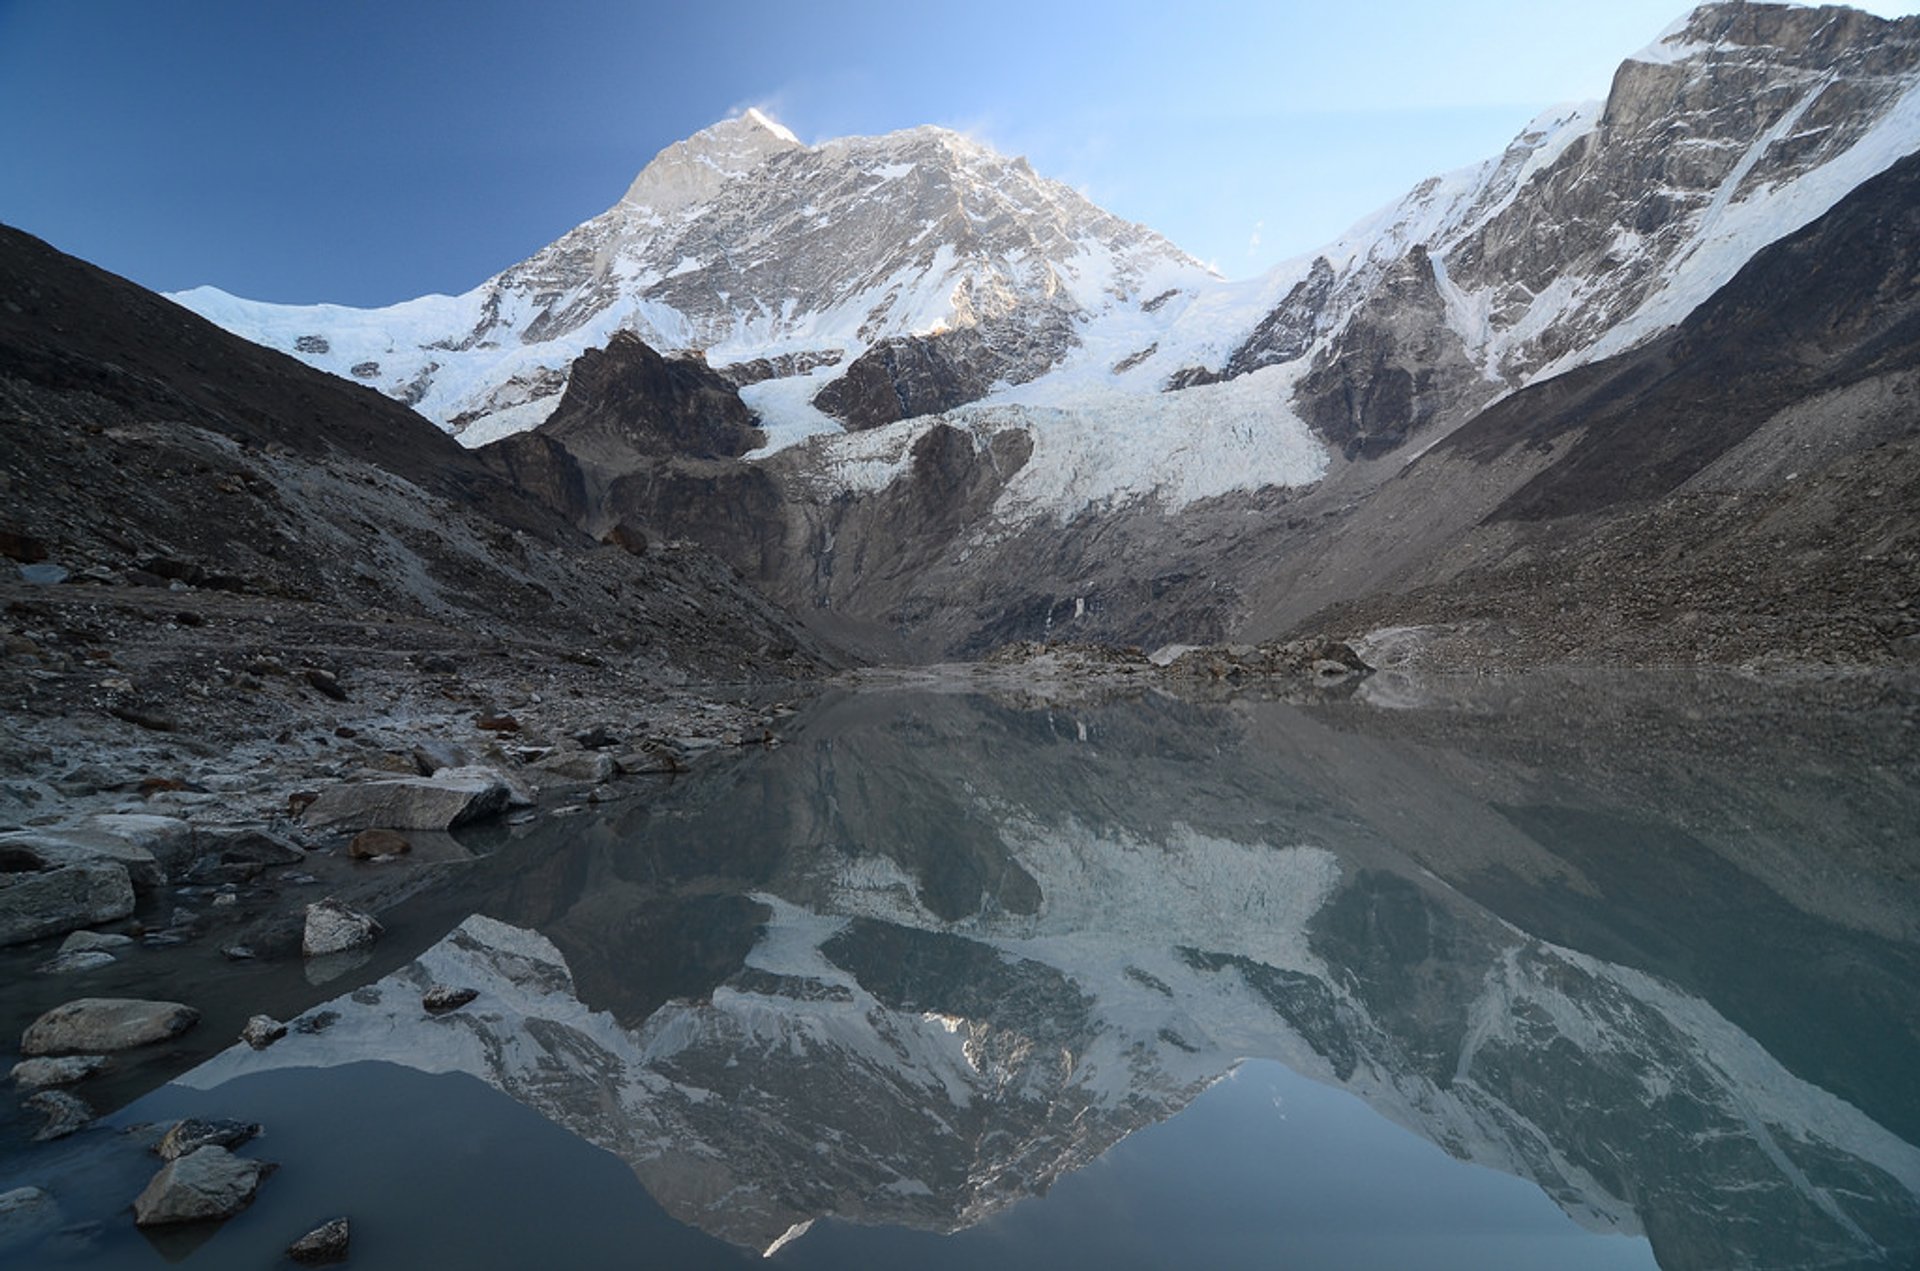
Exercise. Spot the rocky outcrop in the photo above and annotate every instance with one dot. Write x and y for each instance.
(96, 1025)
(1396, 367)
(627, 400)
(908, 376)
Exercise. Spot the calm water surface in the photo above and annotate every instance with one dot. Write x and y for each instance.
(1563, 973)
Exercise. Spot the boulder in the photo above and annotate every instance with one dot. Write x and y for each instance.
(440, 802)
(207, 1183)
(333, 928)
(39, 1074)
(168, 838)
(41, 850)
(325, 1243)
(192, 1134)
(431, 756)
(56, 901)
(65, 1113)
(262, 1031)
(580, 765)
(599, 737)
(92, 1025)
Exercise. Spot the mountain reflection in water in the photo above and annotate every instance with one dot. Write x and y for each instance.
(1631, 941)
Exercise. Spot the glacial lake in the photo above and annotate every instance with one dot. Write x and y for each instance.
(1570, 972)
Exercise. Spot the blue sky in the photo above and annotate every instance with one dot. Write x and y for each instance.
(366, 152)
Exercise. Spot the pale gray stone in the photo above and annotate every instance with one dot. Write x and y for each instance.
(207, 1183)
(448, 798)
(55, 901)
(334, 928)
(91, 1025)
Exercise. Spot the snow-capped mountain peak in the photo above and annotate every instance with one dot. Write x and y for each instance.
(693, 170)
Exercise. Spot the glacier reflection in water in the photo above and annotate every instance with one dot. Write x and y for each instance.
(942, 950)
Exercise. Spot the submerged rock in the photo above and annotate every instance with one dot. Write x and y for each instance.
(334, 928)
(325, 1243)
(91, 1025)
(38, 1074)
(192, 1134)
(26, 1214)
(65, 1113)
(69, 963)
(207, 1183)
(368, 844)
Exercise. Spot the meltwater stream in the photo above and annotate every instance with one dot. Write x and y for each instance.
(1570, 973)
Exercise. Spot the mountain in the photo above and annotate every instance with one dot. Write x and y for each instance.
(184, 504)
(745, 244)
(987, 411)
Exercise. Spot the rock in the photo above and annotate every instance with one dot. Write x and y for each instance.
(26, 1214)
(325, 1243)
(442, 998)
(74, 845)
(262, 1031)
(579, 765)
(432, 756)
(649, 761)
(253, 846)
(168, 838)
(95, 941)
(192, 1134)
(21, 546)
(440, 802)
(141, 717)
(368, 844)
(326, 683)
(53, 902)
(208, 1183)
(39, 1074)
(596, 738)
(627, 537)
(91, 1025)
(333, 928)
(65, 1113)
(70, 963)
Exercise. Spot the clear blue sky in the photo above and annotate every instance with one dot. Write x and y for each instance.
(363, 152)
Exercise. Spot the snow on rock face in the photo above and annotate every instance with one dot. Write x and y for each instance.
(1598, 227)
